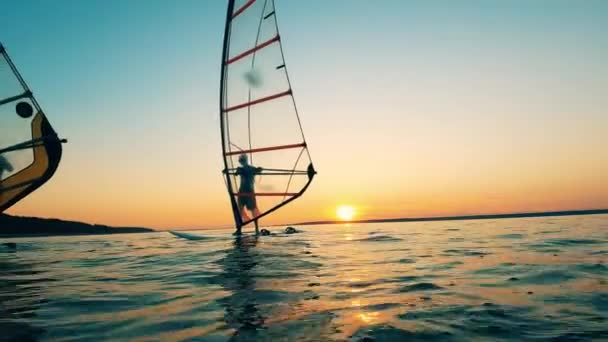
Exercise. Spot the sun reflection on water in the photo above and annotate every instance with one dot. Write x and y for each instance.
(368, 317)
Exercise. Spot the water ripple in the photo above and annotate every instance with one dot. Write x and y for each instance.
(517, 279)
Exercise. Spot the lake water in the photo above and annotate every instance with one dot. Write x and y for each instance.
(510, 279)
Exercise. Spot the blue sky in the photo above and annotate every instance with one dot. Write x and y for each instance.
(461, 97)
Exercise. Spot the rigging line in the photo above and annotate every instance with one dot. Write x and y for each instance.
(294, 168)
(276, 24)
(237, 146)
(249, 125)
(226, 128)
(20, 78)
(257, 39)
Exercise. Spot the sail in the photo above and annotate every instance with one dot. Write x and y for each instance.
(29, 147)
(258, 116)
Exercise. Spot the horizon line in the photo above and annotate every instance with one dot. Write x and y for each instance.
(462, 217)
(422, 219)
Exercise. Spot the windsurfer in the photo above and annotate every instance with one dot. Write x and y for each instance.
(246, 198)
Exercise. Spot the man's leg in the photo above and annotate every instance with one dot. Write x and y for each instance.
(256, 213)
(244, 215)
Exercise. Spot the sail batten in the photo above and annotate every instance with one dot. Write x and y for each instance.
(265, 149)
(258, 115)
(253, 49)
(243, 8)
(264, 99)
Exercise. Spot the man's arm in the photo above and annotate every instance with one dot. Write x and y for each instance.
(5, 165)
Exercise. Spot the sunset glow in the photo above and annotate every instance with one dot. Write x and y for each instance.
(345, 212)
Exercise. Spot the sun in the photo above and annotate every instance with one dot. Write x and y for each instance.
(345, 212)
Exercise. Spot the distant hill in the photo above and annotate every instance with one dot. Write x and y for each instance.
(22, 226)
(469, 217)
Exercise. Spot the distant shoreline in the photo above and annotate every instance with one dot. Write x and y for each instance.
(111, 231)
(16, 226)
(466, 217)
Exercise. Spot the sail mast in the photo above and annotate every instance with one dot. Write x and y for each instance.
(225, 50)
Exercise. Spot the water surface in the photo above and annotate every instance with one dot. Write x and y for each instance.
(509, 279)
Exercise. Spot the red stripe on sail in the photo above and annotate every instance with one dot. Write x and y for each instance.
(243, 8)
(254, 102)
(265, 149)
(252, 50)
(278, 194)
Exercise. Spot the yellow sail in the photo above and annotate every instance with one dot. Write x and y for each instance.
(30, 150)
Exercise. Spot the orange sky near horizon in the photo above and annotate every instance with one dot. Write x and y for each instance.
(202, 207)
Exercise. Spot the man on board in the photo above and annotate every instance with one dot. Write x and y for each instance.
(246, 198)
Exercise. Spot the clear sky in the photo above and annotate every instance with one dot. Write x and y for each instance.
(410, 108)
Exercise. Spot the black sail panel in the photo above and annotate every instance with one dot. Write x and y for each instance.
(259, 117)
